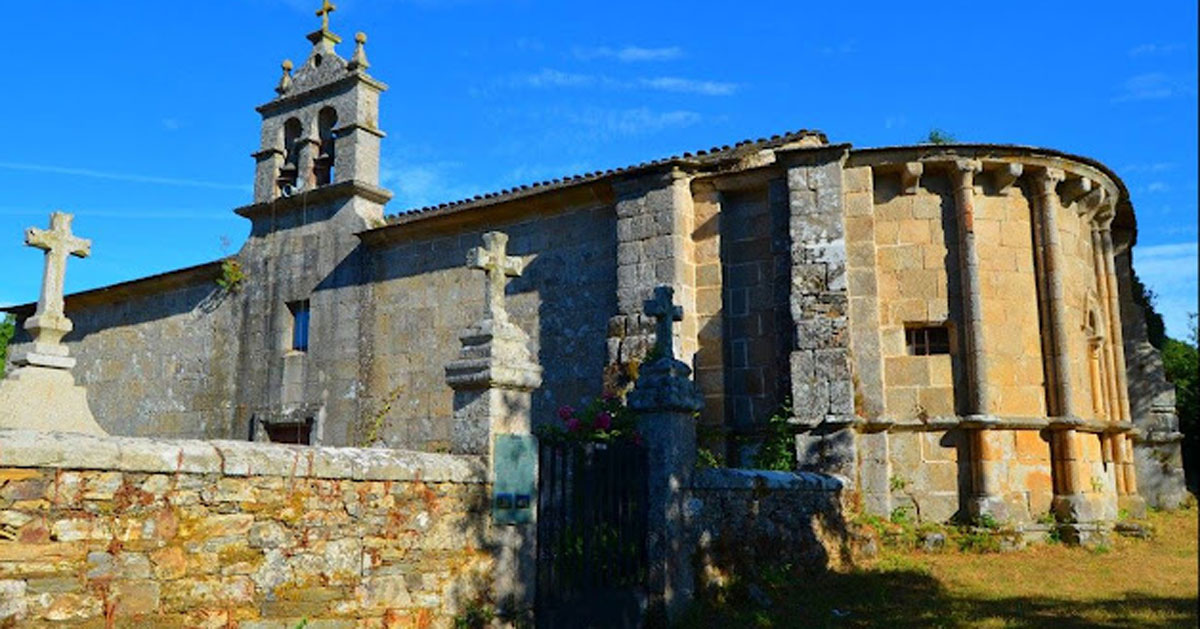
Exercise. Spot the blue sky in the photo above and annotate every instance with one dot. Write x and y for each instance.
(139, 116)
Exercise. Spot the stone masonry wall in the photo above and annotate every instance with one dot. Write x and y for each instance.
(742, 519)
(168, 356)
(125, 532)
(423, 296)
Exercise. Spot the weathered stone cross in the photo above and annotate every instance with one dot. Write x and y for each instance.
(493, 260)
(327, 7)
(666, 313)
(49, 324)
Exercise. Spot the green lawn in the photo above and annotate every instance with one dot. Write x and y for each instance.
(1129, 583)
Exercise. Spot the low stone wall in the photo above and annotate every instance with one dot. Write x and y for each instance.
(107, 531)
(743, 518)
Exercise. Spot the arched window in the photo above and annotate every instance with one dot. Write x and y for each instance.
(323, 164)
(291, 150)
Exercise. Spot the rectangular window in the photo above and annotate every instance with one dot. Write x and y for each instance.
(300, 316)
(299, 433)
(927, 340)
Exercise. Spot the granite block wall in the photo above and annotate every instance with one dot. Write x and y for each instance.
(127, 532)
(423, 296)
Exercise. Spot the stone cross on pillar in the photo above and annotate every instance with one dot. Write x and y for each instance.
(41, 394)
(665, 399)
(49, 323)
(665, 314)
(497, 265)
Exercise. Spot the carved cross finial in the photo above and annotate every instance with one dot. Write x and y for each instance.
(327, 7)
(58, 242)
(494, 261)
(666, 313)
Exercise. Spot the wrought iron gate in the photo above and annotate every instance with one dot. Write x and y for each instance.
(591, 527)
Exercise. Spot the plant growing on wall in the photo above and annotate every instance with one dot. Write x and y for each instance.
(7, 329)
(232, 275)
(778, 450)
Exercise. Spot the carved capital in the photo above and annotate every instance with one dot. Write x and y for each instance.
(963, 171)
(1047, 180)
(1075, 189)
(1005, 174)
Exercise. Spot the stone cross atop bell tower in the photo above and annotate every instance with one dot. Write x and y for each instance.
(323, 127)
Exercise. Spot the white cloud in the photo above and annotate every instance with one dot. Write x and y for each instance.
(420, 185)
(848, 47)
(1154, 167)
(629, 54)
(895, 121)
(689, 86)
(1157, 186)
(1145, 50)
(1153, 86)
(134, 178)
(549, 78)
(1170, 270)
(626, 122)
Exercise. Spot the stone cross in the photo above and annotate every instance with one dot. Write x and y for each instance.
(49, 324)
(493, 260)
(666, 313)
(327, 7)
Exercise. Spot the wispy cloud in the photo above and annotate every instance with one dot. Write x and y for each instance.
(550, 78)
(171, 124)
(628, 54)
(1151, 167)
(848, 47)
(626, 122)
(1170, 270)
(422, 184)
(689, 86)
(1153, 86)
(1146, 50)
(133, 178)
(1157, 186)
(895, 121)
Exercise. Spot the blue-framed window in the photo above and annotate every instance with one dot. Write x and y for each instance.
(300, 316)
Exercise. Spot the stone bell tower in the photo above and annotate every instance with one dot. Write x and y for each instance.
(323, 128)
(316, 185)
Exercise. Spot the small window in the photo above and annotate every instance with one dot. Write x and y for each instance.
(927, 340)
(300, 316)
(299, 433)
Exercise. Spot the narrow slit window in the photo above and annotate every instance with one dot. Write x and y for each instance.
(300, 317)
(927, 340)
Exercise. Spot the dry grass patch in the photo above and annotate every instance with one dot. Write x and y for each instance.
(1130, 583)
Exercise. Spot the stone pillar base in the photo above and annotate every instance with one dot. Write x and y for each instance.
(1133, 505)
(45, 399)
(989, 506)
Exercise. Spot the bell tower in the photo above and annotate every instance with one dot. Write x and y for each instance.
(323, 127)
(316, 186)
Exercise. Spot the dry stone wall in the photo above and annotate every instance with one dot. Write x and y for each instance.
(126, 532)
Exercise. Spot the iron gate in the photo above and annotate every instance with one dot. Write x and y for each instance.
(591, 527)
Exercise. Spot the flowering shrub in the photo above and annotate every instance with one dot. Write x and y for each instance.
(605, 419)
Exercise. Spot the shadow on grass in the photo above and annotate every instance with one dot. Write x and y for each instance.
(912, 598)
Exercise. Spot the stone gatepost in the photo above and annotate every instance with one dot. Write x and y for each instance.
(41, 393)
(666, 399)
(493, 380)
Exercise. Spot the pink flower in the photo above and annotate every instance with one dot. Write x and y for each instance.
(565, 413)
(573, 425)
(603, 420)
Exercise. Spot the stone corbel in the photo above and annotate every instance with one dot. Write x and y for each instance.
(1074, 189)
(1005, 174)
(910, 177)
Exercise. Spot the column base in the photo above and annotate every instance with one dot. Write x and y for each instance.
(993, 507)
(1132, 505)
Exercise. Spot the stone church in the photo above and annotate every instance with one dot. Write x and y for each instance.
(949, 327)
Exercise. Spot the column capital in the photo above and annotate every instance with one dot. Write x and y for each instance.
(964, 171)
(1047, 179)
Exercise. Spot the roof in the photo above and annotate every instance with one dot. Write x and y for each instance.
(699, 159)
(190, 276)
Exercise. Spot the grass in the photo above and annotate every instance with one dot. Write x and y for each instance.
(1125, 583)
